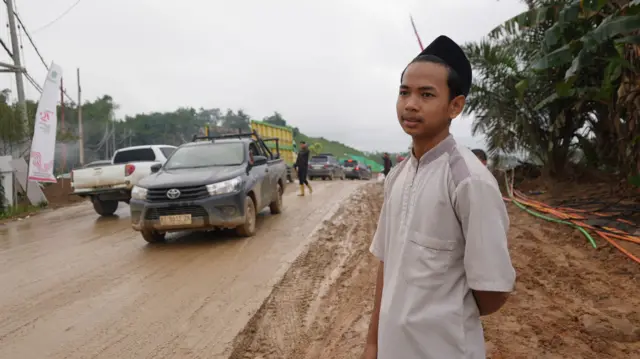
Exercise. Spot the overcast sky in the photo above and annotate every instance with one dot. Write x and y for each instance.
(331, 67)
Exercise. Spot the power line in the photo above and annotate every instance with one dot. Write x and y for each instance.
(57, 18)
(24, 28)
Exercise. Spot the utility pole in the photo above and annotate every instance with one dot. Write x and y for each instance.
(80, 129)
(106, 141)
(64, 146)
(17, 63)
(113, 139)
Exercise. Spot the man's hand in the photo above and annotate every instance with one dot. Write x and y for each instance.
(370, 352)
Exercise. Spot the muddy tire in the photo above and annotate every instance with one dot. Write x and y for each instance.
(152, 236)
(248, 229)
(276, 206)
(104, 208)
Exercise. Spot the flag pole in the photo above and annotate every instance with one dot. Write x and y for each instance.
(416, 32)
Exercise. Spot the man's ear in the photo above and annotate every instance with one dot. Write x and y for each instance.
(456, 105)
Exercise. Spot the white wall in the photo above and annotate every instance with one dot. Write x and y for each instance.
(6, 172)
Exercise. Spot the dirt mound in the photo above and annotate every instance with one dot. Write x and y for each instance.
(59, 194)
(571, 301)
(321, 307)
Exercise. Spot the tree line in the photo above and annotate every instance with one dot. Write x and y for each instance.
(103, 134)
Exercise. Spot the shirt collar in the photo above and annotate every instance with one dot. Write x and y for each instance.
(446, 145)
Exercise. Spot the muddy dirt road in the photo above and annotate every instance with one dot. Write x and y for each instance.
(74, 285)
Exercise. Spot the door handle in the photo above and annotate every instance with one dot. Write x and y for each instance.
(267, 170)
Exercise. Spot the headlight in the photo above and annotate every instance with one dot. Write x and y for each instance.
(139, 193)
(229, 186)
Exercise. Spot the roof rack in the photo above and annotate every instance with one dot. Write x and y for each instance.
(240, 135)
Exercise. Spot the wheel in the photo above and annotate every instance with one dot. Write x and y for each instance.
(276, 206)
(331, 177)
(152, 236)
(289, 179)
(248, 229)
(104, 208)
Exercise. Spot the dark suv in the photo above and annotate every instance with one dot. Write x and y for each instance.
(213, 182)
(324, 166)
(356, 170)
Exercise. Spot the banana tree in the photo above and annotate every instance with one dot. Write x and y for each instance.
(595, 43)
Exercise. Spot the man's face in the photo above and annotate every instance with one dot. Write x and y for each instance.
(423, 105)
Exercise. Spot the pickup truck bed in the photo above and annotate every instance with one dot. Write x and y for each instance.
(107, 185)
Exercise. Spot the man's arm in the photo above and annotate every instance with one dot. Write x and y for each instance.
(371, 349)
(378, 249)
(485, 223)
(489, 302)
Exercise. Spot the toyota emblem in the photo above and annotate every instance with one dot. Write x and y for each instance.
(173, 193)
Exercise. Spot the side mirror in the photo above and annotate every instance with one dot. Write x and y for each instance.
(155, 168)
(259, 160)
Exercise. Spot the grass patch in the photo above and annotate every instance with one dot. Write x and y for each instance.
(21, 210)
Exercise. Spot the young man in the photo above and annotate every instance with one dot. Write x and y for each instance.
(301, 166)
(442, 233)
(482, 156)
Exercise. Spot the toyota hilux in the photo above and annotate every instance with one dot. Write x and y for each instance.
(214, 182)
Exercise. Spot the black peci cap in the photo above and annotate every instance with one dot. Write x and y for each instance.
(451, 53)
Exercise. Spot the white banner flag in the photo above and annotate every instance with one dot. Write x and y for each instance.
(43, 144)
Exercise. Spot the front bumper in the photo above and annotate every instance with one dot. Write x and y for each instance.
(222, 211)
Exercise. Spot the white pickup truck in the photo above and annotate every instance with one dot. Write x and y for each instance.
(110, 184)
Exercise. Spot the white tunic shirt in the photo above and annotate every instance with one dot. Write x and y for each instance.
(442, 232)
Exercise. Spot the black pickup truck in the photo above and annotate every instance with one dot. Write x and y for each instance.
(210, 183)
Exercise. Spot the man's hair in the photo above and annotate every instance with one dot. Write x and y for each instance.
(480, 154)
(453, 79)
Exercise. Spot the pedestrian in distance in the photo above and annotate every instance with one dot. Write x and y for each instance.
(442, 231)
(302, 166)
(387, 164)
(482, 156)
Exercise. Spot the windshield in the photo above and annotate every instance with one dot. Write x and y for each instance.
(351, 164)
(210, 155)
(319, 159)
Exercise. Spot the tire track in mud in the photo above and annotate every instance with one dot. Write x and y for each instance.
(306, 315)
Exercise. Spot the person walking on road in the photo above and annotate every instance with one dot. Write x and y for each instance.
(387, 164)
(301, 166)
(442, 232)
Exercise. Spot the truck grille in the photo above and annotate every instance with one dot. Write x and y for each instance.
(194, 211)
(186, 193)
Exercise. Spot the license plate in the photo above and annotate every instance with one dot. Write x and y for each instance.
(317, 167)
(176, 220)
